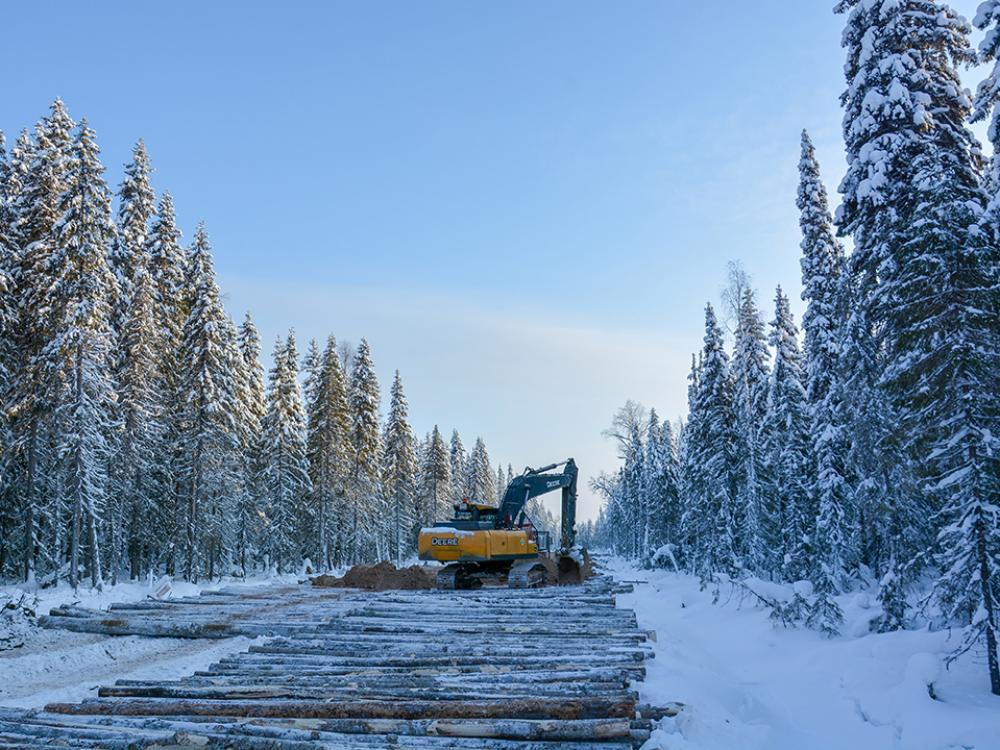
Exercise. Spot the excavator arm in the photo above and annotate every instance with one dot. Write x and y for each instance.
(535, 482)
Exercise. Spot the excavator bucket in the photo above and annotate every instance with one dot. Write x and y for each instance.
(570, 570)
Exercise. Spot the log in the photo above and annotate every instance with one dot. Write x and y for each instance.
(566, 709)
(506, 729)
(272, 690)
(476, 658)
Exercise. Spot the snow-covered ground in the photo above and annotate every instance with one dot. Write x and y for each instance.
(747, 684)
(56, 665)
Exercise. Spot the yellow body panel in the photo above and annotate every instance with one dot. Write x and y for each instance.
(454, 545)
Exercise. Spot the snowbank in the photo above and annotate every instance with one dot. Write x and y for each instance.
(750, 685)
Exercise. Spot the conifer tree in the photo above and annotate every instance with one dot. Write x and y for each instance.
(714, 443)
(662, 501)
(923, 260)
(822, 265)
(251, 408)
(167, 265)
(434, 494)
(692, 522)
(481, 482)
(137, 487)
(81, 345)
(985, 104)
(786, 449)
(366, 504)
(285, 478)
(459, 469)
(329, 454)
(208, 427)
(136, 206)
(750, 375)
(399, 472)
(501, 483)
(35, 394)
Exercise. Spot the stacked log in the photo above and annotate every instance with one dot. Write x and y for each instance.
(546, 669)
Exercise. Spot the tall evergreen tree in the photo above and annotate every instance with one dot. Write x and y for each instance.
(786, 449)
(208, 427)
(822, 264)
(167, 264)
(366, 504)
(35, 393)
(715, 455)
(399, 472)
(285, 478)
(251, 403)
(459, 468)
(481, 482)
(137, 487)
(750, 375)
(136, 206)
(329, 454)
(434, 495)
(81, 345)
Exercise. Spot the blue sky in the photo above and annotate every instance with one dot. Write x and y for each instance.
(524, 205)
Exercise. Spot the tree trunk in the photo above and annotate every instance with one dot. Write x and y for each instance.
(989, 605)
(29, 500)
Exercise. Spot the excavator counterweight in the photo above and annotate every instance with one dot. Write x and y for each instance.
(483, 542)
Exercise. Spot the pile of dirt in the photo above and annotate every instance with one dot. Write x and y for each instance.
(380, 577)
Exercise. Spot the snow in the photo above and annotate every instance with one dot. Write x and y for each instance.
(751, 685)
(445, 530)
(57, 666)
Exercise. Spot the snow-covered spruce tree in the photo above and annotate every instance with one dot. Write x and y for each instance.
(634, 493)
(285, 479)
(985, 103)
(32, 399)
(822, 266)
(751, 362)
(251, 402)
(167, 265)
(311, 365)
(434, 492)
(208, 431)
(964, 457)
(692, 532)
(481, 482)
(136, 480)
(665, 481)
(787, 453)
(10, 186)
(714, 452)
(501, 482)
(366, 506)
(399, 472)
(8, 318)
(329, 455)
(459, 468)
(661, 500)
(911, 183)
(136, 206)
(80, 350)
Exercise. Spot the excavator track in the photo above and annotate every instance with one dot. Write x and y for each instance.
(458, 576)
(527, 574)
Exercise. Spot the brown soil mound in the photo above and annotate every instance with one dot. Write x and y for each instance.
(380, 577)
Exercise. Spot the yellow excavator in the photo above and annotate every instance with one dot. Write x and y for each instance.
(484, 542)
